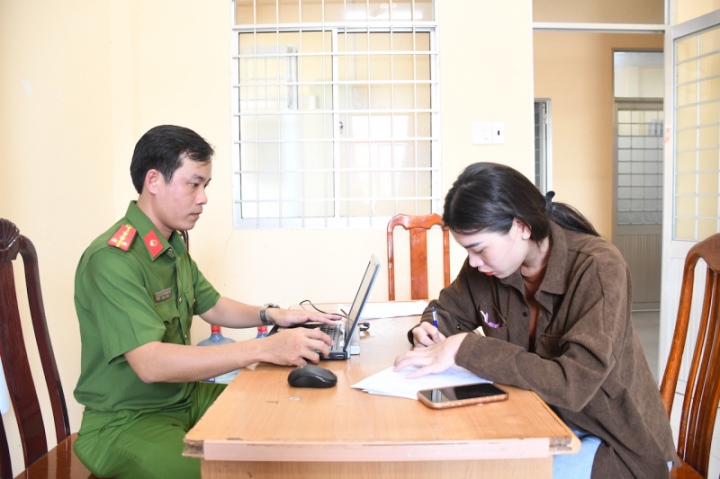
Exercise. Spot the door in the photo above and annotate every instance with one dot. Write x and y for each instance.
(638, 181)
(692, 188)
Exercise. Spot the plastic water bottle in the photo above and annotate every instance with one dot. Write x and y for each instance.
(262, 332)
(216, 338)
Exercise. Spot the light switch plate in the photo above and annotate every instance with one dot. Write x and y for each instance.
(482, 133)
(498, 132)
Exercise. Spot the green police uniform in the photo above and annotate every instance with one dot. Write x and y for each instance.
(132, 287)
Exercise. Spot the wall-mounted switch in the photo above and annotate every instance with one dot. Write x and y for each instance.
(482, 133)
(498, 132)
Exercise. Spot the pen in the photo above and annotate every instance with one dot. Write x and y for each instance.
(434, 318)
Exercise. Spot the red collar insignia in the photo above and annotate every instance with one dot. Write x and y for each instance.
(153, 243)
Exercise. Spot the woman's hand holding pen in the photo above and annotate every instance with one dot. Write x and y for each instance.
(426, 335)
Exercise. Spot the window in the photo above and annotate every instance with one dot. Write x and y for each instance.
(335, 117)
(639, 128)
(697, 142)
(639, 163)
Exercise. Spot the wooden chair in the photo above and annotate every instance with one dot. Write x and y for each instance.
(60, 461)
(186, 237)
(702, 392)
(418, 227)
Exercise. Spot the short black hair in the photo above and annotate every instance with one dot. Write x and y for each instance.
(163, 148)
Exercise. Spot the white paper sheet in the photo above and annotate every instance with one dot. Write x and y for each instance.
(391, 383)
(4, 395)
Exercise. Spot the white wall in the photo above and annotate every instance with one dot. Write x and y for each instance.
(82, 80)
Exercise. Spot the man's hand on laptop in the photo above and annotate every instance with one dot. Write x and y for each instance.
(295, 346)
(290, 317)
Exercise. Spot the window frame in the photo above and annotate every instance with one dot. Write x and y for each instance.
(433, 140)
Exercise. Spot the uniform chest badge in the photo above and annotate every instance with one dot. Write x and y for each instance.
(123, 237)
(163, 295)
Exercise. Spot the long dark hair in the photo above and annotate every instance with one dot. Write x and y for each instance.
(489, 196)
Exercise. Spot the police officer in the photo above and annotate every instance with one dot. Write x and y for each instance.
(136, 292)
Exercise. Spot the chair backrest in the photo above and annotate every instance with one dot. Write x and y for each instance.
(702, 392)
(186, 237)
(16, 366)
(418, 227)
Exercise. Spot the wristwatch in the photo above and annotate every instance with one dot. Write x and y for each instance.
(263, 316)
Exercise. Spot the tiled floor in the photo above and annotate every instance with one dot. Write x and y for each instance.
(647, 324)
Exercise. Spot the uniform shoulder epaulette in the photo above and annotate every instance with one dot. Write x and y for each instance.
(123, 237)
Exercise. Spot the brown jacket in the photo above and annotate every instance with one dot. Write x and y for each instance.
(587, 361)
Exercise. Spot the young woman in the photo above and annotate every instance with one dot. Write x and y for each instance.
(544, 303)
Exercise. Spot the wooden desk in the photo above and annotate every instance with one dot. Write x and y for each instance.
(262, 428)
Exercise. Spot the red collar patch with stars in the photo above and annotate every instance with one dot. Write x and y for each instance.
(123, 237)
(153, 243)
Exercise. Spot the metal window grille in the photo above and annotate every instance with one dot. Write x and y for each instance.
(335, 117)
(696, 205)
(639, 166)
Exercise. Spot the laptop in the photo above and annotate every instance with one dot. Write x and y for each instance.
(342, 331)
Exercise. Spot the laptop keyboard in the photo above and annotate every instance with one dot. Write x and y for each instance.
(336, 333)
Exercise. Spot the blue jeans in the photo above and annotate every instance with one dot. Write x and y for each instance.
(577, 466)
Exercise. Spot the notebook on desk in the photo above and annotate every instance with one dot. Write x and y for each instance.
(342, 331)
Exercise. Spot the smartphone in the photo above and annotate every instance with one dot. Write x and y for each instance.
(462, 395)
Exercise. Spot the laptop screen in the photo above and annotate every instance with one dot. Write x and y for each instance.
(361, 298)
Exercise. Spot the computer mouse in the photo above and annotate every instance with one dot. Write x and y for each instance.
(311, 376)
